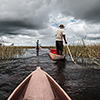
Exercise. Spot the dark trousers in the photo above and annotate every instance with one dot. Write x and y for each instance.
(37, 50)
(59, 47)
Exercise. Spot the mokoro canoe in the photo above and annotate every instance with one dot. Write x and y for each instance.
(54, 56)
(39, 86)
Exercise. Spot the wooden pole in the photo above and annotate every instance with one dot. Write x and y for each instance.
(71, 55)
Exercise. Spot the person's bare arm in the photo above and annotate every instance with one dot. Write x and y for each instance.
(64, 39)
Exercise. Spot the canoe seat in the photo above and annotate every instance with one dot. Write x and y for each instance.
(53, 51)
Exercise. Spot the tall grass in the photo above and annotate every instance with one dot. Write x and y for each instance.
(9, 52)
(90, 52)
(81, 51)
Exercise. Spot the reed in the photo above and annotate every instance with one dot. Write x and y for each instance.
(90, 52)
(9, 52)
(81, 51)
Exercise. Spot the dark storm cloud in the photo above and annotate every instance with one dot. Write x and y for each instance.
(6, 26)
(15, 24)
(34, 14)
(31, 18)
(88, 10)
(30, 14)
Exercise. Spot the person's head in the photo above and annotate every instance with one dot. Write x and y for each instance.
(61, 26)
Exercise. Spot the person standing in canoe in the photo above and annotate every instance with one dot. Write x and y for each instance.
(60, 35)
(37, 47)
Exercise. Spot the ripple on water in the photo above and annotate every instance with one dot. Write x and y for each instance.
(80, 83)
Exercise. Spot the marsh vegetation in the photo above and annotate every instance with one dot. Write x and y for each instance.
(81, 53)
(9, 52)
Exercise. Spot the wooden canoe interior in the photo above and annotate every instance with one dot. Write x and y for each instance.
(19, 94)
(53, 51)
(59, 93)
(39, 86)
(54, 56)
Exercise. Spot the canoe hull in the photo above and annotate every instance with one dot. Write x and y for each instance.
(56, 57)
(39, 86)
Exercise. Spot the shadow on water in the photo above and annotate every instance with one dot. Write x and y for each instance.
(80, 83)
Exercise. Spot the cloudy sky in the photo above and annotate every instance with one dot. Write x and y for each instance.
(22, 22)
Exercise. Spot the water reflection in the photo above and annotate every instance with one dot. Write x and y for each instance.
(80, 84)
(60, 73)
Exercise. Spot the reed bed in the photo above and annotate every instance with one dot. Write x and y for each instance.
(9, 52)
(82, 52)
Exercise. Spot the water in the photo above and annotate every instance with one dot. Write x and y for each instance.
(79, 83)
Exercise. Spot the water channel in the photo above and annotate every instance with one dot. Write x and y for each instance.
(79, 83)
